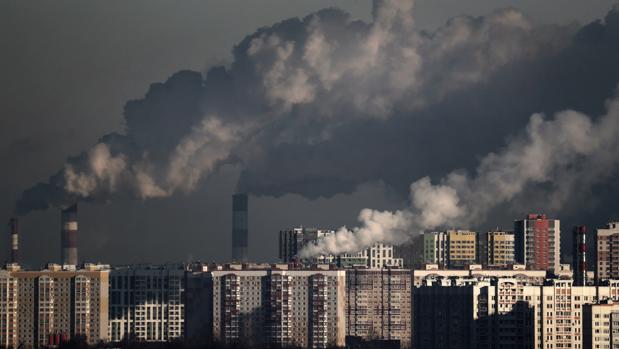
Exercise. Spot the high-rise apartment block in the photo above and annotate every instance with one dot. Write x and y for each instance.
(601, 325)
(277, 306)
(451, 248)
(607, 244)
(495, 248)
(50, 306)
(503, 313)
(538, 241)
(378, 304)
(147, 303)
(292, 242)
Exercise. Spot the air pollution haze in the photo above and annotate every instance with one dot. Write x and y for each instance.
(569, 153)
(300, 94)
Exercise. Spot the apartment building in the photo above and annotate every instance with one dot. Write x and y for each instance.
(51, 306)
(538, 242)
(601, 325)
(495, 248)
(276, 305)
(378, 304)
(292, 242)
(147, 303)
(434, 248)
(503, 312)
(451, 248)
(607, 245)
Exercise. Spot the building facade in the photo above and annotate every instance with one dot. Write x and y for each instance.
(147, 303)
(503, 313)
(538, 242)
(53, 305)
(496, 248)
(607, 245)
(601, 325)
(278, 306)
(434, 248)
(378, 304)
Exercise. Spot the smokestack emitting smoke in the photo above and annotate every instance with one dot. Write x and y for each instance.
(69, 235)
(580, 255)
(14, 239)
(298, 82)
(240, 235)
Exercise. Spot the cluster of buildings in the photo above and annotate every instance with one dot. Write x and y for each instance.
(496, 289)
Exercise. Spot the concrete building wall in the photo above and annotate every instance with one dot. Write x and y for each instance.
(607, 245)
(279, 307)
(538, 242)
(147, 303)
(378, 304)
(53, 304)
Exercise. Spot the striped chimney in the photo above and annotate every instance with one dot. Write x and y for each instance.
(14, 239)
(69, 235)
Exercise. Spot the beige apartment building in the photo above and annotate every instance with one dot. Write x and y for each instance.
(49, 306)
(451, 248)
(503, 313)
(275, 305)
(601, 325)
(495, 248)
(607, 245)
(378, 304)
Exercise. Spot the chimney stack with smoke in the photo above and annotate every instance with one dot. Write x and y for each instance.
(580, 255)
(239, 228)
(69, 235)
(14, 240)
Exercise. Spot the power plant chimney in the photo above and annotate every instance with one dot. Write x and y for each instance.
(14, 239)
(69, 235)
(580, 255)
(239, 228)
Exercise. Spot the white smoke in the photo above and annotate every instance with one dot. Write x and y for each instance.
(569, 154)
(195, 156)
(334, 67)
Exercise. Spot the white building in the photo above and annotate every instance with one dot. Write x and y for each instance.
(503, 312)
(147, 303)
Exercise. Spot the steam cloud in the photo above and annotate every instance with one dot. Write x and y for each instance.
(319, 105)
(297, 80)
(569, 153)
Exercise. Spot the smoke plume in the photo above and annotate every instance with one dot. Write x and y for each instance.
(568, 154)
(298, 81)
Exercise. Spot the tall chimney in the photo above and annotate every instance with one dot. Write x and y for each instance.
(580, 255)
(69, 235)
(14, 239)
(239, 227)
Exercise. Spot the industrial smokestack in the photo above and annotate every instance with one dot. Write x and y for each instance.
(239, 227)
(69, 235)
(14, 239)
(580, 255)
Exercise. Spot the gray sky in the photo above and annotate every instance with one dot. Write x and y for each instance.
(68, 67)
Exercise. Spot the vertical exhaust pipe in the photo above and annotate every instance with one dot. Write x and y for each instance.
(239, 227)
(69, 235)
(14, 240)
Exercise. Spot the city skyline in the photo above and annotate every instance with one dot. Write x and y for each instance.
(202, 216)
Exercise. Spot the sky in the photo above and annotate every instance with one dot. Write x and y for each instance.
(68, 69)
